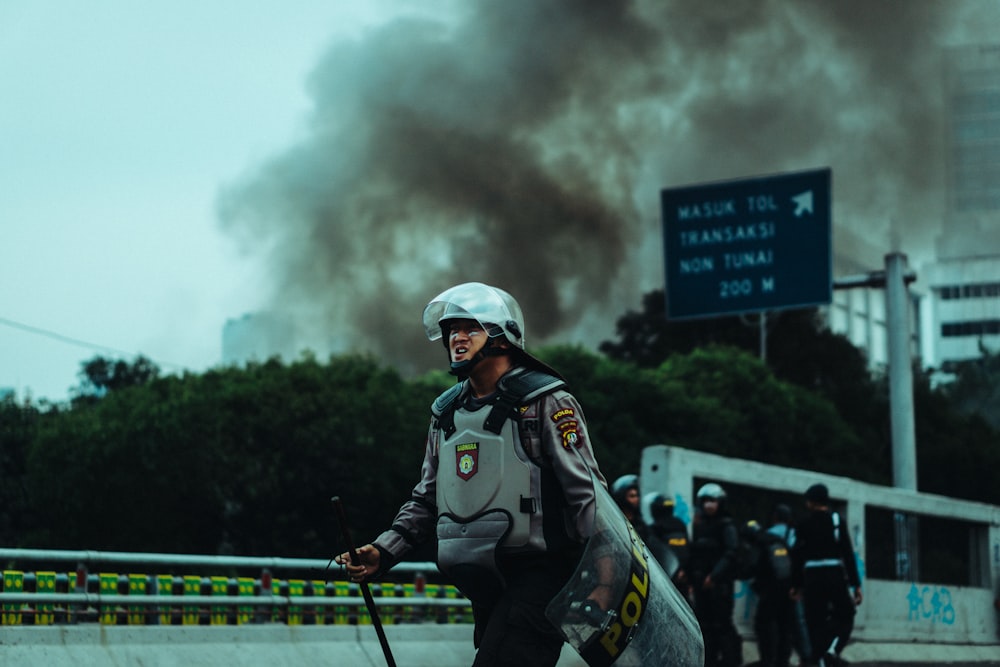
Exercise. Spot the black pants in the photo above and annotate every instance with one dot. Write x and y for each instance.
(714, 610)
(773, 626)
(512, 630)
(829, 609)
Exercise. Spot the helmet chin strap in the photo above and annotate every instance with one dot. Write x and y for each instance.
(462, 369)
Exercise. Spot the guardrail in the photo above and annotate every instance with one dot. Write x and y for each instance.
(47, 597)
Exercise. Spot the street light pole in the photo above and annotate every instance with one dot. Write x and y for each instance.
(904, 441)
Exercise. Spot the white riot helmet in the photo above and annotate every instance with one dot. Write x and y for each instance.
(711, 490)
(495, 310)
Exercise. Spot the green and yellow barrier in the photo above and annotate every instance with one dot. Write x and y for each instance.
(192, 586)
(296, 588)
(165, 586)
(13, 582)
(45, 582)
(220, 613)
(137, 585)
(319, 611)
(108, 586)
(244, 588)
(341, 615)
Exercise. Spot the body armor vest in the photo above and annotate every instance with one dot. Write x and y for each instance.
(482, 465)
(479, 471)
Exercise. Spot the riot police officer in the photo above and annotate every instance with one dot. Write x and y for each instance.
(714, 545)
(667, 539)
(625, 491)
(826, 577)
(507, 483)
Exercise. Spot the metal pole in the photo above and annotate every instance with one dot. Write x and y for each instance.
(763, 336)
(904, 445)
(369, 602)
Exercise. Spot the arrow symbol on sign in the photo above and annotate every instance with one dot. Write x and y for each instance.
(803, 203)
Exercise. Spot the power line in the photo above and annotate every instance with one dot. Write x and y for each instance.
(97, 347)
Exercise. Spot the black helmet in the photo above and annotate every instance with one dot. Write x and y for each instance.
(661, 506)
(750, 530)
(818, 493)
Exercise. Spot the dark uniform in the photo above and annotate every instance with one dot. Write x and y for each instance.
(824, 569)
(774, 619)
(667, 539)
(714, 544)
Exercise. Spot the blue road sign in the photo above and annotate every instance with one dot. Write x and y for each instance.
(748, 245)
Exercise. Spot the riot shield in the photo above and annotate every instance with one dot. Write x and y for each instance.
(620, 607)
(663, 554)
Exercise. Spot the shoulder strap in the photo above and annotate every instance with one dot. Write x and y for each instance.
(443, 408)
(514, 389)
(836, 527)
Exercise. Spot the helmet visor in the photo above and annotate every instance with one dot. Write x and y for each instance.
(473, 301)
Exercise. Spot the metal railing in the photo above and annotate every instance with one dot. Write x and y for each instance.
(321, 596)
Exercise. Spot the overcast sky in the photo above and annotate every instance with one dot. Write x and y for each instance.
(120, 122)
(166, 166)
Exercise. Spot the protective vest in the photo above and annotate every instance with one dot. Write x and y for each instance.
(482, 464)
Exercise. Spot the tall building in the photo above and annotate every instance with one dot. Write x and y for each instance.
(859, 313)
(962, 309)
(256, 337)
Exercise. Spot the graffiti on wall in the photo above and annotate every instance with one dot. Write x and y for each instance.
(931, 604)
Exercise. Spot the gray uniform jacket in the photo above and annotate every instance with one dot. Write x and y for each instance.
(552, 433)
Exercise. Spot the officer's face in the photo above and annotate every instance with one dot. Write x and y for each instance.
(710, 506)
(465, 339)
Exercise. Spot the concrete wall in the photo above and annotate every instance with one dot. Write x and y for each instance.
(918, 612)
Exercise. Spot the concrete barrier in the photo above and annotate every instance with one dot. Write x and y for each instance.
(248, 646)
(343, 646)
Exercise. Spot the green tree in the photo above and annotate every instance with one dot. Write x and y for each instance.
(803, 351)
(958, 453)
(100, 376)
(976, 387)
(18, 426)
(241, 460)
(720, 400)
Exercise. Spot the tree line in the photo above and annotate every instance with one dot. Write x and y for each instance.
(244, 460)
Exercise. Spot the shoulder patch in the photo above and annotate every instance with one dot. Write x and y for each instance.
(563, 414)
(570, 436)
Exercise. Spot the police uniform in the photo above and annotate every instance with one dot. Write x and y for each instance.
(825, 567)
(774, 619)
(714, 542)
(509, 493)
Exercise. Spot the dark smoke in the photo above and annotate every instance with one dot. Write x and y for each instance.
(524, 144)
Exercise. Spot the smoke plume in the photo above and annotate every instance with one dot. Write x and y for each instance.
(524, 144)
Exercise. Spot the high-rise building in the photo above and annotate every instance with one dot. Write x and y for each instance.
(256, 337)
(963, 301)
(859, 313)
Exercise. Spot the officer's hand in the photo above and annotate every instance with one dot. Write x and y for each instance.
(708, 584)
(858, 597)
(369, 559)
(601, 596)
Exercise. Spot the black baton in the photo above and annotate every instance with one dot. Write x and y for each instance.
(369, 602)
